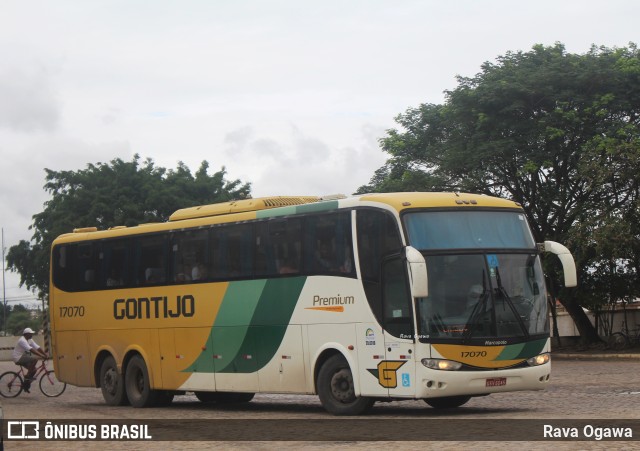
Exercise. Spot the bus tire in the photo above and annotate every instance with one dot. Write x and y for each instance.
(112, 383)
(136, 379)
(448, 402)
(336, 389)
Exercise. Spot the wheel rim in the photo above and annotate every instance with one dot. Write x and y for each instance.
(110, 381)
(138, 380)
(342, 386)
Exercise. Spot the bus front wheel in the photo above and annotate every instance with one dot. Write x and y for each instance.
(112, 383)
(337, 391)
(449, 402)
(137, 384)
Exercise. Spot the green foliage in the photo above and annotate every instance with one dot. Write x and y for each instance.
(555, 131)
(19, 317)
(112, 194)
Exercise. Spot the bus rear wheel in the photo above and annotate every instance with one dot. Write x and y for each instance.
(336, 389)
(137, 384)
(449, 402)
(112, 383)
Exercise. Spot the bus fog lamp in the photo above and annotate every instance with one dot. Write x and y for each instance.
(440, 364)
(540, 359)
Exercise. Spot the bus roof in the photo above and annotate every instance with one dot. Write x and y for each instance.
(249, 209)
(241, 206)
(404, 201)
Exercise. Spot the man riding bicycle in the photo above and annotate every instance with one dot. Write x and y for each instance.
(22, 355)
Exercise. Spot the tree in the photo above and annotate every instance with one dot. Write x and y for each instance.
(558, 133)
(111, 194)
(19, 317)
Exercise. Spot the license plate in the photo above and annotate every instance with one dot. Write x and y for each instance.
(496, 381)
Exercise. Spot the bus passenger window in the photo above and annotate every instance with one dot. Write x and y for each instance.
(232, 252)
(328, 244)
(285, 238)
(151, 260)
(189, 255)
(86, 269)
(114, 279)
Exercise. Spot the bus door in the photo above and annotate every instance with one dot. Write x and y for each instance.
(397, 372)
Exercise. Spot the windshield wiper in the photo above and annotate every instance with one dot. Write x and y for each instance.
(479, 307)
(506, 297)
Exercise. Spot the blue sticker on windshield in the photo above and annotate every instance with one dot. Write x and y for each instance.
(492, 261)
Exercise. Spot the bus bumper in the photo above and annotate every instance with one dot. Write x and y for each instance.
(436, 384)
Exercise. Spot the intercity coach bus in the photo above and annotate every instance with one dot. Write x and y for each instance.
(433, 296)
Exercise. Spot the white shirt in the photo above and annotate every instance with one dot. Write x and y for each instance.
(23, 345)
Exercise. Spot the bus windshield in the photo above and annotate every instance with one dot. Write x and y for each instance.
(483, 296)
(485, 281)
(468, 230)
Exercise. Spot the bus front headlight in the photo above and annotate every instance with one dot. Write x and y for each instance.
(441, 364)
(540, 359)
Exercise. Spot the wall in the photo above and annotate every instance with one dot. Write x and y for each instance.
(567, 328)
(7, 344)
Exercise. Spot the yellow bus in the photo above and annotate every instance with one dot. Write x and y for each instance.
(434, 296)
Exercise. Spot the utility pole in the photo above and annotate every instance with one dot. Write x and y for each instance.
(4, 290)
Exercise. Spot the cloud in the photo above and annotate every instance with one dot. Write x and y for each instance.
(237, 139)
(290, 159)
(28, 100)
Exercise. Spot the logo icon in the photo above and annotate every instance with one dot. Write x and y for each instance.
(369, 337)
(23, 430)
(406, 380)
(386, 372)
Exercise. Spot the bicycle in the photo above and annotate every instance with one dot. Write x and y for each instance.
(621, 340)
(12, 382)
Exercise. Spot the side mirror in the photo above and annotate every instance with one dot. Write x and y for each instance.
(417, 273)
(568, 264)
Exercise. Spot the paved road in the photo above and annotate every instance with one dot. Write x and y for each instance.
(594, 389)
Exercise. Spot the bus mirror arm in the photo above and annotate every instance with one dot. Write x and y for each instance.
(419, 279)
(568, 264)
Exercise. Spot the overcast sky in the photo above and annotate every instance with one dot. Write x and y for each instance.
(291, 96)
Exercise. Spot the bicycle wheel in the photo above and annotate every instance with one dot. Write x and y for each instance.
(618, 341)
(50, 385)
(10, 384)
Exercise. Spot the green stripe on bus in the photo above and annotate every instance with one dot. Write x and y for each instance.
(250, 325)
(268, 325)
(522, 350)
(281, 211)
(298, 209)
(239, 303)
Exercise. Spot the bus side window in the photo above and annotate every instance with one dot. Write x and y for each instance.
(265, 261)
(114, 257)
(396, 298)
(378, 237)
(63, 266)
(285, 238)
(232, 252)
(189, 256)
(151, 260)
(328, 244)
(86, 267)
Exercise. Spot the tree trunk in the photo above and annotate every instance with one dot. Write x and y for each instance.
(588, 333)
